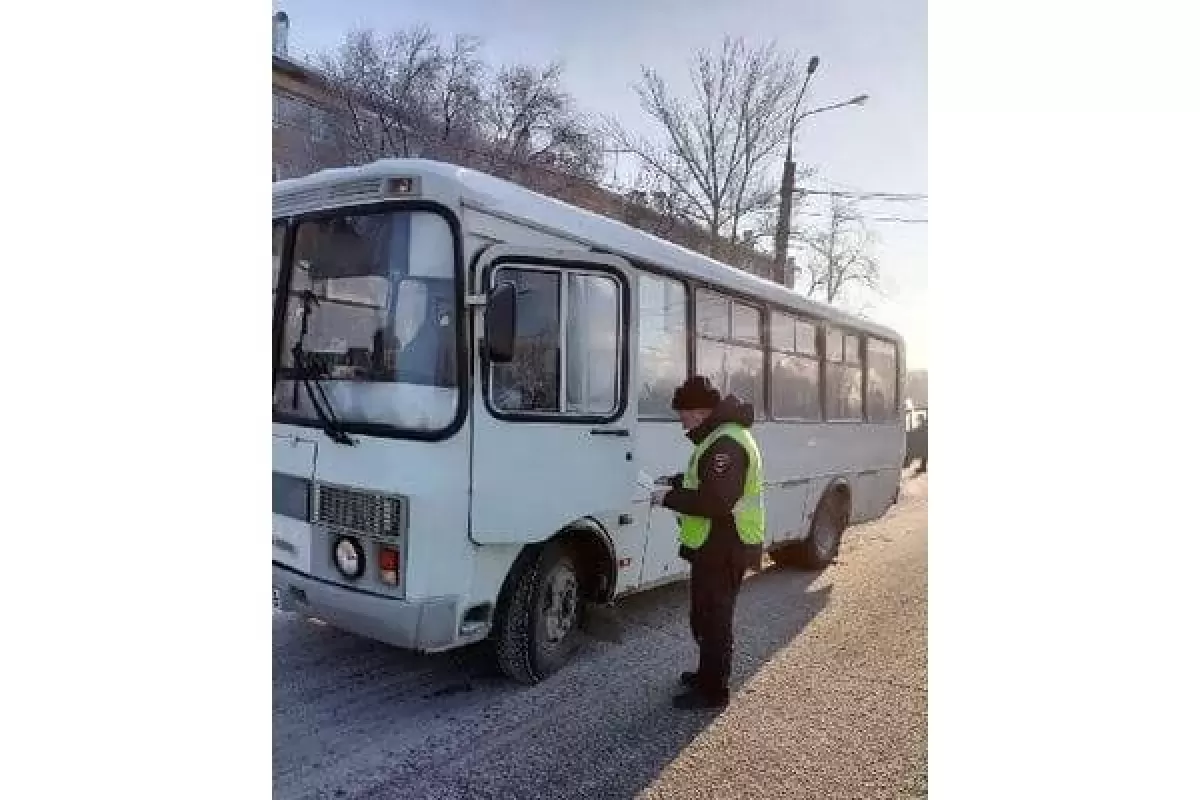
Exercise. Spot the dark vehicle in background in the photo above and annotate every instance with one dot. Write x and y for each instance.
(916, 426)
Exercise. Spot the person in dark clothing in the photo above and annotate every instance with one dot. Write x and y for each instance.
(721, 527)
(923, 445)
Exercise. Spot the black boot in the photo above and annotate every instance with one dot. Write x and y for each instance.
(688, 680)
(701, 700)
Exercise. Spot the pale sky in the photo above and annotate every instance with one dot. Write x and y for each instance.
(877, 47)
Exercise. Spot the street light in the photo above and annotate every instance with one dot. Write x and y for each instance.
(853, 101)
(813, 63)
(787, 184)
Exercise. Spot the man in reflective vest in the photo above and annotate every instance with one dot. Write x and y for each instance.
(719, 501)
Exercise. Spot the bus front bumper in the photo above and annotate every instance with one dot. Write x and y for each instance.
(425, 625)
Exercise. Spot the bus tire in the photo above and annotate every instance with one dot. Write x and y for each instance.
(824, 539)
(540, 617)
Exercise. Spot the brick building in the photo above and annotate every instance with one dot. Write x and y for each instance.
(303, 135)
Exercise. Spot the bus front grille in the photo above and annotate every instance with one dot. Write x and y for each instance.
(366, 513)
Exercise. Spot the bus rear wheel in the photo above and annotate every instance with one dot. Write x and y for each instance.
(824, 539)
(540, 618)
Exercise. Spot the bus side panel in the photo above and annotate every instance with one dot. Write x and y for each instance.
(881, 449)
(789, 504)
(491, 564)
(485, 229)
(802, 459)
(661, 449)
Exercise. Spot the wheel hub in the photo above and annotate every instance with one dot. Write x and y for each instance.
(560, 604)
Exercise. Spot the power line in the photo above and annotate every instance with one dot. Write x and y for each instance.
(900, 196)
(863, 195)
(868, 219)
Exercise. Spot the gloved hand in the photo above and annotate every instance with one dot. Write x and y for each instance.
(656, 497)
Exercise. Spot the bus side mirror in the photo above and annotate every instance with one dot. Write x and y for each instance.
(500, 323)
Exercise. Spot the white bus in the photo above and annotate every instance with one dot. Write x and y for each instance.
(470, 378)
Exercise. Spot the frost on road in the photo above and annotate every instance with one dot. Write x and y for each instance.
(829, 681)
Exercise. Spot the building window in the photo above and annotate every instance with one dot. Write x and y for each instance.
(662, 343)
(317, 123)
(795, 369)
(322, 126)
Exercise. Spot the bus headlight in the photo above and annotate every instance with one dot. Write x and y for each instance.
(349, 558)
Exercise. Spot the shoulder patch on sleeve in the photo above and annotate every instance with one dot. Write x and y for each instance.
(720, 462)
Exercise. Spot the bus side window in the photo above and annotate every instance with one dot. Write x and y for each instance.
(882, 381)
(729, 347)
(662, 343)
(795, 369)
(843, 377)
(586, 330)
(531, 381)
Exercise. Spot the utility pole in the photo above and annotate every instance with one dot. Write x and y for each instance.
(782, 225)
(787, 185)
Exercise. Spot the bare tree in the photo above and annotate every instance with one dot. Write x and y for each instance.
(652, 193)
(840, 254)
(717, 143)
(356, 75)
(409, 94)
(388, 89)
(460, 103)
(530, 119)
(768, 81)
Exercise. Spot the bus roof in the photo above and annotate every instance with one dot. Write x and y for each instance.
(499, 197)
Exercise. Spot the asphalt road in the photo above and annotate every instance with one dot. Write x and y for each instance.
(829, 681)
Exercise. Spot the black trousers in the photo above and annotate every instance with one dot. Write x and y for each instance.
(717, 570)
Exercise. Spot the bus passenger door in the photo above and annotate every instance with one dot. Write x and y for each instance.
(553, 428)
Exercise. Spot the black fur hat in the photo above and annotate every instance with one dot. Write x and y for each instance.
(695, 393)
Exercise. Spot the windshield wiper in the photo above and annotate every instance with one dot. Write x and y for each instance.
(307, 371)
(310, 376)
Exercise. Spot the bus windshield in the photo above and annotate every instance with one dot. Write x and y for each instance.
(372, 316)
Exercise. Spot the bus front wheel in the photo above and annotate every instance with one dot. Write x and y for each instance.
(540, 618)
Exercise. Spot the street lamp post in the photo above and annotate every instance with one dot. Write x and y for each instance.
(787, 185)
(782, 225)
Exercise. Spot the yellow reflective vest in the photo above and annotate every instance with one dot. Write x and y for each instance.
(749, 514)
